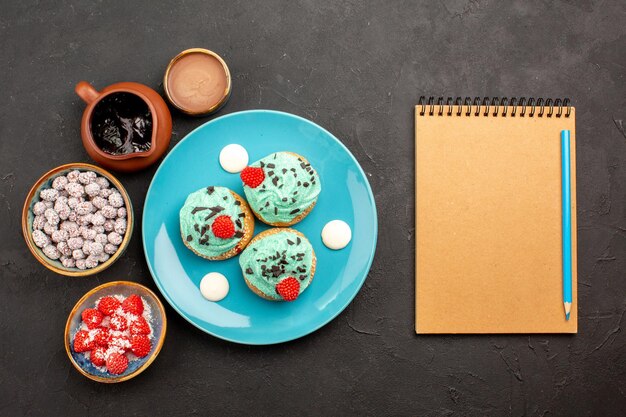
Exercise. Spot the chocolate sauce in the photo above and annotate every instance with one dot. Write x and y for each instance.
(121, 123)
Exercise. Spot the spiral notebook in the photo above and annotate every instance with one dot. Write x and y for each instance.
(488, 216)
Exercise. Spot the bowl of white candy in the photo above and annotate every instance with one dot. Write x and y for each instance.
(77, 219)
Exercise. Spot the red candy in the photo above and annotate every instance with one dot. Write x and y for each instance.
(139, 326)
(223, 227)
(133, 305)
(117, 363)
(252, 176)
(92, 317)
(140, 345)
(118, 322)
(98, 356)
(82, 342)
(108, 305)
(288, 288)
(112, 334)
(101, 336)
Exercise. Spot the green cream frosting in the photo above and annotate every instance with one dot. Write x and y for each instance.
(201, 209)
(275, 257)
(289, 188)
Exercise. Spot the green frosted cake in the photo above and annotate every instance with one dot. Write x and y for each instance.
(281, 188)
(216, 223)
(278, 264)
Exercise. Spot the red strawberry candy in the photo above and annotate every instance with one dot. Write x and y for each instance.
(133, 304)
(140, 345)
(252, 176)
(289, 288)
(108, 305)
(121, 342)
(116, 363)
(82, 342)
(139, 326)
(101, 336)
(92, 317)
(118, 322)
(98, 356)
(223, 227)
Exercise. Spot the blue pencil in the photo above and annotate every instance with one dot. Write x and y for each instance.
(566, 200)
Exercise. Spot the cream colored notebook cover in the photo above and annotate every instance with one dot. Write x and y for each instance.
(488, 219)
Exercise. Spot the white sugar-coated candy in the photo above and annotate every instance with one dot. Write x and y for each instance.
(80, 264)
(49, 194)
(102, 182)
(51, 252)
(109, 212)
(84, 220)
(78, 254)
(87, 246)
(101, 238)
(51, 216)
(120, 226)
(59, 183)
(110, 248)
(73, 202)
(75, 189)
(64, 249)
(73, 217)
(60, 236)
(103, 257)
(109, 225)
(49, 228)
(63, 210)
(121, 212)
(87, 177)
(106, 192)
(96, 248)
(336, 234)
(39, 208)
(70, 226)
(116, 200)
(73, 176)
(88, 233)
(115, 238)
(68, 262)
(92, 189)
(98, 229)
(98, 219)
(39, 222)
(99, 202)
(91, 261)
(233, 158)
(214, 286)
(75, 243)
(40, 238)
(84, 208)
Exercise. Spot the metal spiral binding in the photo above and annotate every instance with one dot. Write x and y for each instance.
(530, 107)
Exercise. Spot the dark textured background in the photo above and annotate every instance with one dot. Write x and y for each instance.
(357, 69)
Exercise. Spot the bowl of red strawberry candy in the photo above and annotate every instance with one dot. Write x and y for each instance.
(115, 331)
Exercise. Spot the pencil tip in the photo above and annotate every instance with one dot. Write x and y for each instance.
(567, 316)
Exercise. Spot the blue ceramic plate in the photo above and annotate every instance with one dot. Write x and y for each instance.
(242, 316)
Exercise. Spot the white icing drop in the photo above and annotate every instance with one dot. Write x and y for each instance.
(336, 234)
(214, 286)
(233, 158)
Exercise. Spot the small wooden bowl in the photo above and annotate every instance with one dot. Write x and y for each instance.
(125, 288)
(27, 219)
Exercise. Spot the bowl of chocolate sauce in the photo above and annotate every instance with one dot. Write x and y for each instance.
(126, 126)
